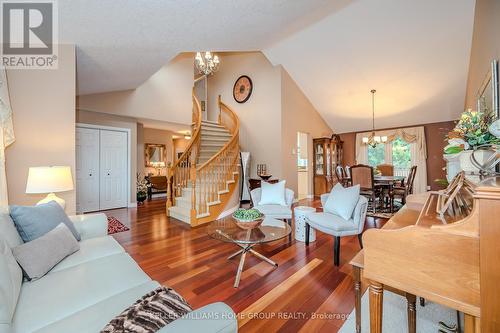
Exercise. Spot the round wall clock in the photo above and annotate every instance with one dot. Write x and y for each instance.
(242, 89)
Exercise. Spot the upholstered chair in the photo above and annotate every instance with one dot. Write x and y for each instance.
(407, 188)
(278, 212)
(362, 175)
(386, 169)
(338, 227)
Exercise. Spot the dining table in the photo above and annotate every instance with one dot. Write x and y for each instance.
(387, 182)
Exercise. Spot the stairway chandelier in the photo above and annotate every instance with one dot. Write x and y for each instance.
(373, 140)
(206, 63)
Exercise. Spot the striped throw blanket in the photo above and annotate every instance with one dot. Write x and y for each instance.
(150, 313)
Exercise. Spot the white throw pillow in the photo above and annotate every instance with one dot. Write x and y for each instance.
(273, 194)
(342, 201)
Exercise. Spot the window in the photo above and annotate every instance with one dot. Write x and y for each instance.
(400, 153)
(376, 156)
(401, 157)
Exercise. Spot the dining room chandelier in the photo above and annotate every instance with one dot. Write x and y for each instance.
(206, 63)
(373, 140)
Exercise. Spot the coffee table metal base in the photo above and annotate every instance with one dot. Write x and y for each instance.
(244, 250)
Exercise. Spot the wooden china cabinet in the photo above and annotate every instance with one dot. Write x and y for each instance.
(327, 155)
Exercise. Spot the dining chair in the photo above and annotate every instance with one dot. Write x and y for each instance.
(362, 175)
(340, 174)
(337, 226)
(404, 191)
(386, 169)
(348, 171)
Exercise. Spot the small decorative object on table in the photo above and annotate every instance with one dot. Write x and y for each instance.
(142, 189)
(248, 218)
(262, 172)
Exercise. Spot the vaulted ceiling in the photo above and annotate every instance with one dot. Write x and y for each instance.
(122, 43)
(414, 52)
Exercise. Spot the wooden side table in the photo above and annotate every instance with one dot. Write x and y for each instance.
(256, 183)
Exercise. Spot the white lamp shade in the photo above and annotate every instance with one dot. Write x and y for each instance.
(49, 179)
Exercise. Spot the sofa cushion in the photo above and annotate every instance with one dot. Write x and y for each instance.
(90, 249)
(275, 211)
(63, 293)
(332, 224)
(8, 231)
(342, 201)
(35, 221)
(11, 278)
(93, 319)
(40, 255)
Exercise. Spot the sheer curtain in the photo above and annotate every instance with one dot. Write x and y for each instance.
(6, 138)
(361, 150)
(415, 136)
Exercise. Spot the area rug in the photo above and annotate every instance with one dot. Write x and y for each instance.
(394, 316)
(115, 226)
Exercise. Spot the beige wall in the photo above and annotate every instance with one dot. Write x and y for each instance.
(298, 115)
(103, 119)
(260, 116)
(180, 145)
(157, 136)
(485, 46)
(43, 103)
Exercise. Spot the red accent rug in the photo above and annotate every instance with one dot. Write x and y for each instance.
(115, 226)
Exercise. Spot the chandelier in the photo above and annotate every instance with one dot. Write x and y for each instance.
(373, 140)
(206, 62)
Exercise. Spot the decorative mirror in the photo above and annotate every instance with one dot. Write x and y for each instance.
(488, 94)
(155, 155)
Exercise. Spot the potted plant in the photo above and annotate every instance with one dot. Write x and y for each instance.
(142, 189)
(470, 132)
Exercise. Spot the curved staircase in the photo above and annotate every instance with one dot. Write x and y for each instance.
(203, 179)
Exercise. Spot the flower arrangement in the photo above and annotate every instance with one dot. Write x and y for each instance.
(470, 131)
(142, 188)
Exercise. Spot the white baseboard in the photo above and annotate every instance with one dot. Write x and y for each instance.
(228, 211)
(132, 204)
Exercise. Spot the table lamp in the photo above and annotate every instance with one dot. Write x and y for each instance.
(50, 180)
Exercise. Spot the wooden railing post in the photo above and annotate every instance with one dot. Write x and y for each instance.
(169, 188)
(192, 177)
(220, 109)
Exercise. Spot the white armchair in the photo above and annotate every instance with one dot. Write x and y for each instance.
(336, 226)
(278, 212)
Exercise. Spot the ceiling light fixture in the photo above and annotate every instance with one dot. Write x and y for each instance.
(373, 139)
(206, 63)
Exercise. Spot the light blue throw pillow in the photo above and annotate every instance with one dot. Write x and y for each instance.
(342, 201)
(35, 221)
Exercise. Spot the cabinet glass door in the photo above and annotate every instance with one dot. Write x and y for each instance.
(319, 159)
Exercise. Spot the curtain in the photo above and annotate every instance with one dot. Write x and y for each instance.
(415, 136)
(361, 150)
(6, 137)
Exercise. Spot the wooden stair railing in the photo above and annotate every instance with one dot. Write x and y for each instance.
(209, 182)
(183, 172)
(221, 168)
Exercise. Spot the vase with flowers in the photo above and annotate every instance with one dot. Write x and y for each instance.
(470, 132)
(142, 189)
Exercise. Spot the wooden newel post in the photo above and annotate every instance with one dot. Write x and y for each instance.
(220, 110)
(192, 177)
(169, 188)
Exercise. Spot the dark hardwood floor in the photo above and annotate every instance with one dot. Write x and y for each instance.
(269, 299)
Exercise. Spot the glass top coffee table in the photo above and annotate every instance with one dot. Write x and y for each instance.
(226, 230)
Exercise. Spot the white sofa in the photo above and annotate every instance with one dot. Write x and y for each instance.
(87, 289)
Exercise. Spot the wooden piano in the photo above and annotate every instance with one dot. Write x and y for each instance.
(456, 265)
